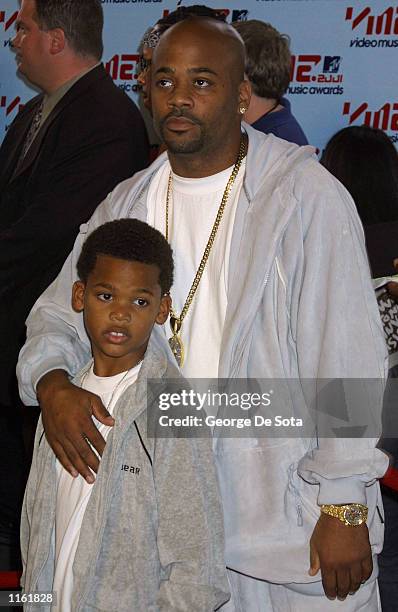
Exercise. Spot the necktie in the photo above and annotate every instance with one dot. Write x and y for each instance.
(34, 128)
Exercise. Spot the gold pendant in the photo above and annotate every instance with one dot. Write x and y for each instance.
(178, 349)
(175, 341)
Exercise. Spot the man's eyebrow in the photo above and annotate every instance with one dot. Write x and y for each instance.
(198, 70)
(202, 69)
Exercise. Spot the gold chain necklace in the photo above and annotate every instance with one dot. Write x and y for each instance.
(175, 341)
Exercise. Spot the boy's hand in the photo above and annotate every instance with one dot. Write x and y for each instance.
(66, 414)
(343, 555)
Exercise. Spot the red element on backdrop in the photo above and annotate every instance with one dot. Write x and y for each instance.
(123, 67)
(16, 102)
(8, 22)
(386, 23)
(384, 118)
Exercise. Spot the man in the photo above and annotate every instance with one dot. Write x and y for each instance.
(268, 64)
(271, 302)
(153, 34)
(62, 155)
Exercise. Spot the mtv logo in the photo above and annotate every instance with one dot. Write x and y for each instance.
(331, 63)
(239, 15)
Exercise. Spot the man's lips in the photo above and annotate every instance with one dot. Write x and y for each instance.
(116, 336)
(179, 124)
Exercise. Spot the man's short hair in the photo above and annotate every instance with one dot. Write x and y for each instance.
(131, 240)
(81, 20)
(268, 58)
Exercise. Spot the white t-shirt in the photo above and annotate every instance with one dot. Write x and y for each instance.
(73, 494)
(193, 207)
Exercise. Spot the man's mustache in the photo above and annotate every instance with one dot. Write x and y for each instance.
(181, 113)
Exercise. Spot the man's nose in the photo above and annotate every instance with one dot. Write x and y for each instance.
(14, 44)
(181, 96)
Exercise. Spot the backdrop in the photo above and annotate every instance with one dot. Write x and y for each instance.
(343, 68)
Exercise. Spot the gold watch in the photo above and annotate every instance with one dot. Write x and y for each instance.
(351, 515)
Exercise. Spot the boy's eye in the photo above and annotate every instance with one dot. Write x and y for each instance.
(140, 302)
(202, 83)
(105, 297)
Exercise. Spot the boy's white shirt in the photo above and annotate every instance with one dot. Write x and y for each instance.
(193, 208)
(73, 494)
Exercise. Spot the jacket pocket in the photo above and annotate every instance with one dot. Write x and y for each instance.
(293, 489)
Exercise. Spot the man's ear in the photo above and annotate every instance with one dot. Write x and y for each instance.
(245, 92)
(78, 290)
(57, 41)
(164, 309)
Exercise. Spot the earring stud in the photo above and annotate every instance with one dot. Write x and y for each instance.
(242, 110)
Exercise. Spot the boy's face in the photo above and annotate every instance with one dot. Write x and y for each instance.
(121, 302)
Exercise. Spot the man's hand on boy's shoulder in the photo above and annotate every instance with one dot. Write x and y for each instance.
(69, 428)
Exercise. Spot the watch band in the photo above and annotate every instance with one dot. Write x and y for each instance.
(351, 515)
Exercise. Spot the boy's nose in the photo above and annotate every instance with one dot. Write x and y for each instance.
(121, 314)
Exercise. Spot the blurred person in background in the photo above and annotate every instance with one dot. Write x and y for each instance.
(366, 162)
(268, 63)
(67, 148)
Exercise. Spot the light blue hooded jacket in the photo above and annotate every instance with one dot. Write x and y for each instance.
(152, 536)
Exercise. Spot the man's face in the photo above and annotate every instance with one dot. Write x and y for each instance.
(194, 99)
(121, 302)
(31, 44)
(144, 76)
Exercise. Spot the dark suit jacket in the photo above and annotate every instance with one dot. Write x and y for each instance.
(93, 139)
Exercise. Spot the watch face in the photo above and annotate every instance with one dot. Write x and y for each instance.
(354, 515)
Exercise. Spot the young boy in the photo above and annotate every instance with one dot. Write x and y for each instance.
(147, 536)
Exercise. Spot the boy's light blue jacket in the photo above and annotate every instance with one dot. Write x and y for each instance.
(300, 305)
(152, 535)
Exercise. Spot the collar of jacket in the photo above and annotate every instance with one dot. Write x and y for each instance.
(74, 92)
(134, 401)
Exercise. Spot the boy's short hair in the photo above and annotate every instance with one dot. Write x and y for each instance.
(268, 58)
(132, 240)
